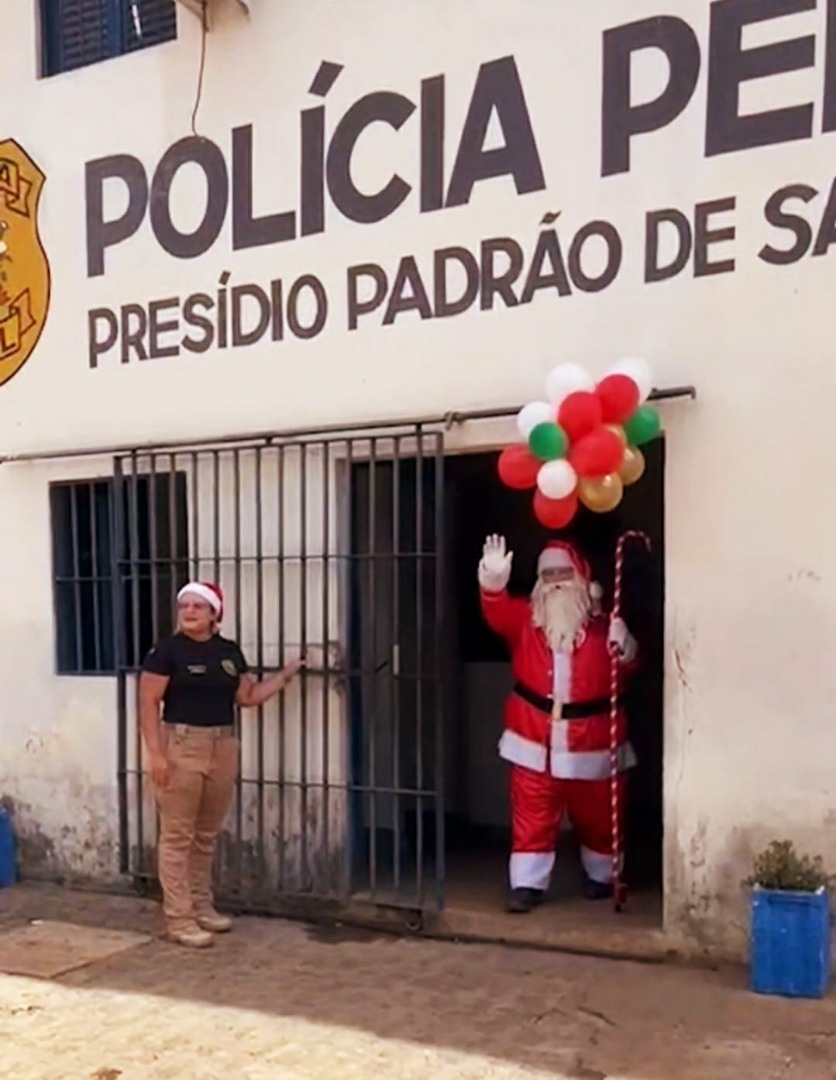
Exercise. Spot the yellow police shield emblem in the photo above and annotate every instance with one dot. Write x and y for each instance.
(229, 667)
(24, 267)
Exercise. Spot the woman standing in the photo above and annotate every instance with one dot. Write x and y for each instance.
(188, 690)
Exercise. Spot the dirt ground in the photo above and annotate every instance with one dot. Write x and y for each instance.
(277, 1000)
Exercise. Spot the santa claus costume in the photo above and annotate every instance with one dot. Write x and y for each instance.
(557, 721)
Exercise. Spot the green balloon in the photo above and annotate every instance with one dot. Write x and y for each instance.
(548, 441)
(642, 426)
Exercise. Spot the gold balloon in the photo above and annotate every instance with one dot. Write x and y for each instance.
(601, 493)
(633, 466)
(618, 430)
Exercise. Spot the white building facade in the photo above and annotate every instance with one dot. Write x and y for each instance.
(368, 214)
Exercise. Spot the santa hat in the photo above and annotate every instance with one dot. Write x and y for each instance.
(561, 555)
(207, 591)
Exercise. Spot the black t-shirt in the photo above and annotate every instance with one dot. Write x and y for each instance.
(203, 678)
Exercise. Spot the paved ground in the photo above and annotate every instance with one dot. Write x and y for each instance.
(279, 1001)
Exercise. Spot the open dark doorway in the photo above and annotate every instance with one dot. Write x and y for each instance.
(476, 804)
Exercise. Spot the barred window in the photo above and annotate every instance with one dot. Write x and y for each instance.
(115, 569)
(76, 33)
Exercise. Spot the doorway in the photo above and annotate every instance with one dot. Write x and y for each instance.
(430, 811)
(476, 803)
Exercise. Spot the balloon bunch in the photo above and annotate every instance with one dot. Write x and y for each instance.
(582, 444)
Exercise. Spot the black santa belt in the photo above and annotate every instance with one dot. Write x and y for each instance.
(572, 710)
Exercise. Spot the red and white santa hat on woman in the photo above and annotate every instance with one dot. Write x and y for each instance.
(207, 591)
(561, 555)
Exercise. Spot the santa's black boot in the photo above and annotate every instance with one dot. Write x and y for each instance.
(521, 901)
(597, 890)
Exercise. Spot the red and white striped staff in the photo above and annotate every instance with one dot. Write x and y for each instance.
(619, 888)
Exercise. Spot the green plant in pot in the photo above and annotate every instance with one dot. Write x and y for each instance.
(790, 922)
(780, 868)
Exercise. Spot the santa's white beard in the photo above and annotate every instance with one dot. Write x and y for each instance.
(560, 611)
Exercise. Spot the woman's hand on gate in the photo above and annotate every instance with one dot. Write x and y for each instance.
(291, 670)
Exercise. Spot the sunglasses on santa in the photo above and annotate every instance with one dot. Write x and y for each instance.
(557, 575)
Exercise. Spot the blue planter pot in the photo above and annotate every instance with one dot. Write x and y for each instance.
(8, 862)
(790, 943)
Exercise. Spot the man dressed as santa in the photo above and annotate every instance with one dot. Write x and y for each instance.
(557, 719)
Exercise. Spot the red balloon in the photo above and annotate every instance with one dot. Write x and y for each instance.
(518, 467)
(579, 414)
(597, 454)
(619, 397)
(555, 513)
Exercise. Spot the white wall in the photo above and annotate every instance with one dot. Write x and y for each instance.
(751, 587)
(58, 735)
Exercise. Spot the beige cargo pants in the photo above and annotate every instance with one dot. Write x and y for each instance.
(204, 765)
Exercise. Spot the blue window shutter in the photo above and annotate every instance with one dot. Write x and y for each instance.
(81, 32)
(75, 33)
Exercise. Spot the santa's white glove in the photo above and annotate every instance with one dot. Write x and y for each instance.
(622, 640)
(495, 566)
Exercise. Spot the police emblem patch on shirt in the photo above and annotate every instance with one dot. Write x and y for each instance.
(229, 667)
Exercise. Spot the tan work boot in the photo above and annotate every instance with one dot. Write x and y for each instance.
(213, 921)
(190, 935)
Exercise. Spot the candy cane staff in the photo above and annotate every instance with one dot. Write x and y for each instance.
(616, 804)
(557, 717)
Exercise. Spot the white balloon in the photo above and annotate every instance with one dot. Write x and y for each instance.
(557, 479)
(639, 371)
(566, 379)
(529, 416)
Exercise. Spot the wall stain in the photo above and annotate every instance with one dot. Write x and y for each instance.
(804, 574)
(681, 671)
(73, 852)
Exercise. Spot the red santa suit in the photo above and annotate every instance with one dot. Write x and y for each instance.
(560, 755)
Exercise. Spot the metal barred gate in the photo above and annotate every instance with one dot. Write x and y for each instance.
(330, 545)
